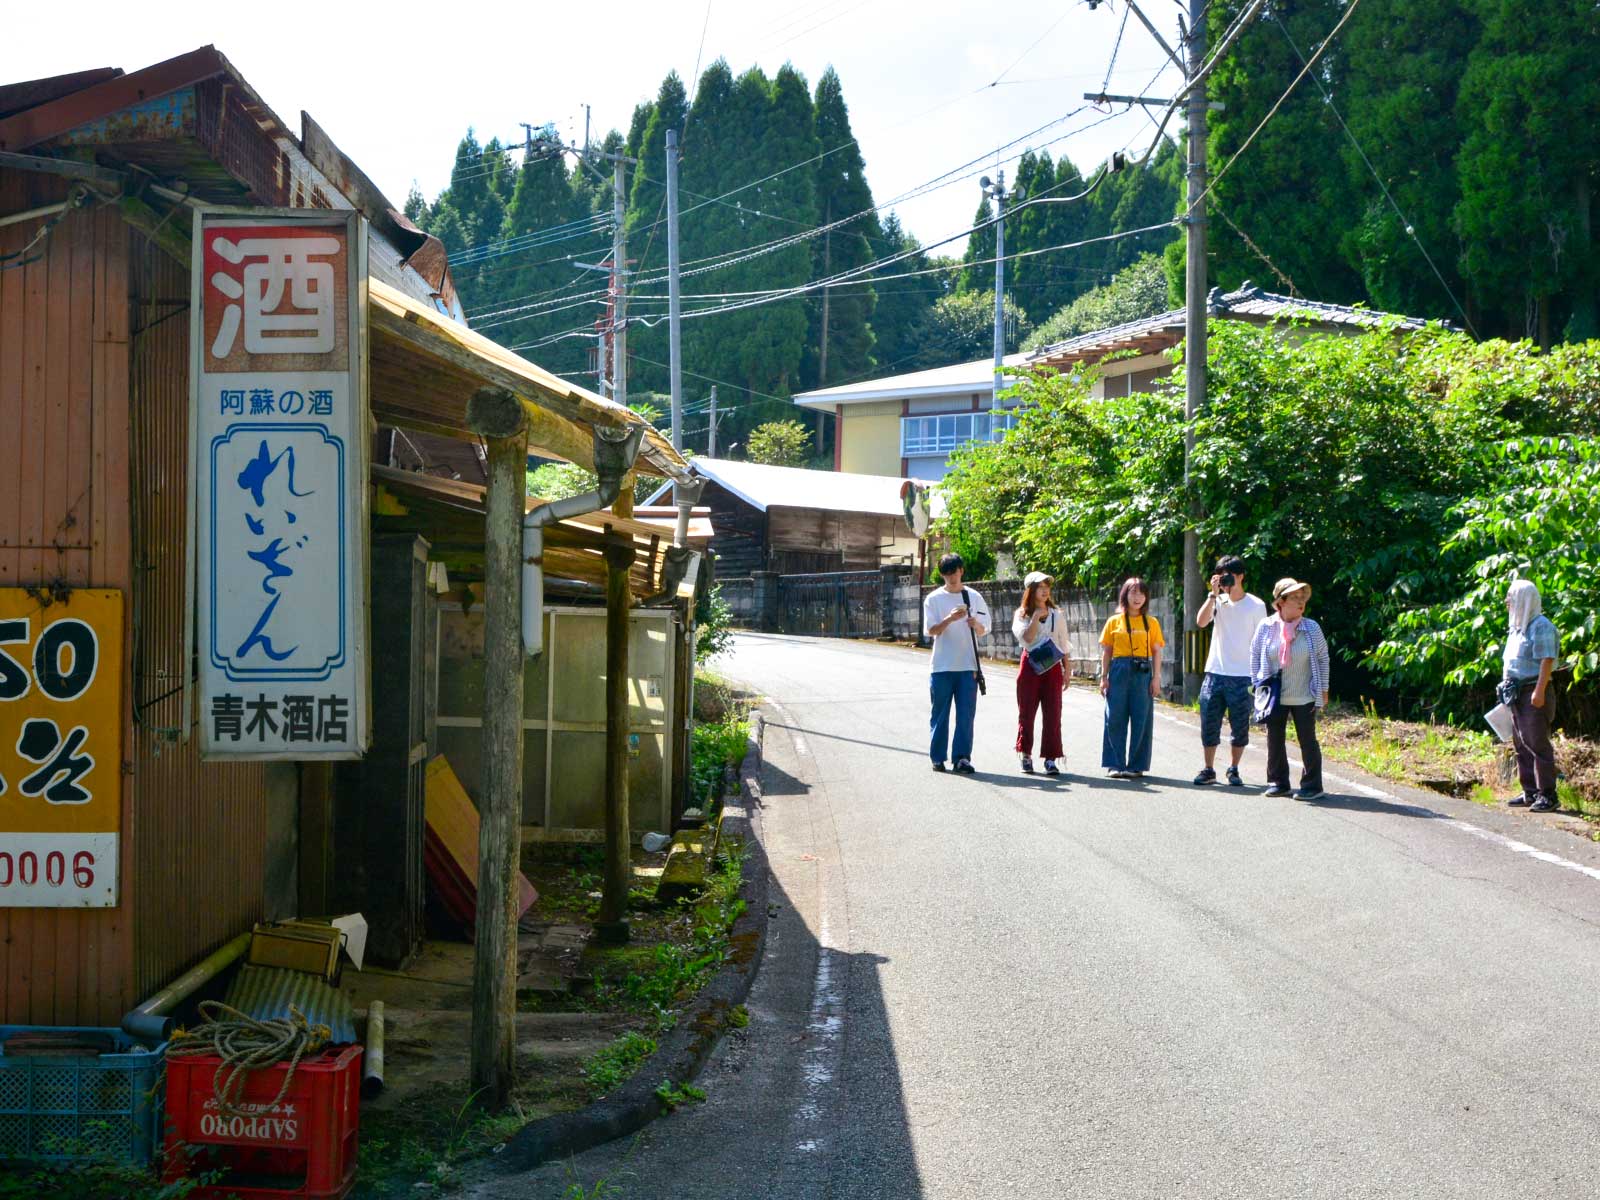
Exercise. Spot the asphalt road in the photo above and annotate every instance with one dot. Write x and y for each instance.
(1015, 987)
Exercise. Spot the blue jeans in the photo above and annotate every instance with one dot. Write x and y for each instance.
(943, 687)
(1230, 692)
(1130, 716)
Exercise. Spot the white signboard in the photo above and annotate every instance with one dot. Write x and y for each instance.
(279, 455)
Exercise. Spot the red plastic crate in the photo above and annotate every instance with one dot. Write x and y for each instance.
(302, 1146)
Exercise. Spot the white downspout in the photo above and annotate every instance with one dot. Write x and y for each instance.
(614, 453)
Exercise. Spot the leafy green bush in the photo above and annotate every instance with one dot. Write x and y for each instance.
(712, 748)
(1138, 290)
(1538, 519)
(713, 627)
(779, 444)
(1408, 478)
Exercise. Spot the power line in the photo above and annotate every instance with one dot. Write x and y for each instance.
(730, 258)
(1405, 221)
(1277, 104)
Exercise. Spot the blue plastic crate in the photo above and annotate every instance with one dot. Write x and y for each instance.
(70, 1108)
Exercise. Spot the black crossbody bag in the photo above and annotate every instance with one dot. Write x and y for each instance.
(977, 659)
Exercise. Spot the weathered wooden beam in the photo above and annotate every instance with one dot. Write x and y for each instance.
(497, 415)
(613, 923)
(171, 234)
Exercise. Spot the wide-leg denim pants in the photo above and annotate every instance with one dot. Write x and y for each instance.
(1130, 718)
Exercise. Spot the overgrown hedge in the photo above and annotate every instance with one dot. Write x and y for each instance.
(1409, 478)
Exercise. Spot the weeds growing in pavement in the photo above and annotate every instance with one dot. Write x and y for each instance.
(673, 1097)
(611, 1066)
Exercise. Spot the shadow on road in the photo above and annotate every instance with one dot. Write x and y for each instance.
(804, 1102)
(895, 747)
(1372, 804)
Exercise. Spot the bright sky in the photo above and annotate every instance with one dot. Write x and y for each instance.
(396, 85)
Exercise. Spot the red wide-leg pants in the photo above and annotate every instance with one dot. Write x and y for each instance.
(1033, 693)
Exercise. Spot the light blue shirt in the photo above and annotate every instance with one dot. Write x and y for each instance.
(1527, 648)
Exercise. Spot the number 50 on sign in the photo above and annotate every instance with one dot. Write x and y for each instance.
(60, 749)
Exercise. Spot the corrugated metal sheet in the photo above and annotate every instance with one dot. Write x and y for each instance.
(267, 993)
(795, 487)
(63, 516)
(198, 854)
(1249, 303)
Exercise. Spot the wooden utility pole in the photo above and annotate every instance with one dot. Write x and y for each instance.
(497, 416)
(613, 923)
(1194, 332)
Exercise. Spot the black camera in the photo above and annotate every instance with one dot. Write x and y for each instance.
(1141, 666)
(1226, 579)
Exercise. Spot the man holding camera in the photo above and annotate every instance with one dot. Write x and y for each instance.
(955, 617)
(1226, 686)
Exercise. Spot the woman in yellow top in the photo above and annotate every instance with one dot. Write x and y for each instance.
(1130, 680)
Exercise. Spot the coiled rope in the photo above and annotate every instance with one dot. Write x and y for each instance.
(245, 1044)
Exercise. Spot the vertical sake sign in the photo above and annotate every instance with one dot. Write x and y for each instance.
(278, 447)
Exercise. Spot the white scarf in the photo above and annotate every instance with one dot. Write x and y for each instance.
(1524, 604)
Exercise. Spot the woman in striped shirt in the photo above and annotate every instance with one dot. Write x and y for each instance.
(1290, 644)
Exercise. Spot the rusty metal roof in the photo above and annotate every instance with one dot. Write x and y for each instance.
(267, 993)
(1249, 303)
(425, 366)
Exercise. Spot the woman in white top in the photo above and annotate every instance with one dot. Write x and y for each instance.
(1038, 623)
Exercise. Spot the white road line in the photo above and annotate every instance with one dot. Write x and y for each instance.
(1466, 827)
(789, 724)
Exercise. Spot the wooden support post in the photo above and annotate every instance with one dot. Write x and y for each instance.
(497, 416)
(623, 507)
(613, 923)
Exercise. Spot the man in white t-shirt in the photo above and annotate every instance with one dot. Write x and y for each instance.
(1226, 686)
(954, 616)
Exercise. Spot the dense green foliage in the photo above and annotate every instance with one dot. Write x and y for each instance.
(1540, 521)
(779, 444)
(764, 161)
(1138, 290)
(960, 328)
(1408, 479)
(1451, 102)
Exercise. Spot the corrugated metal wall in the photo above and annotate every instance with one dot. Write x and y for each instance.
(193, 836)
(64, 516)
(201, 829)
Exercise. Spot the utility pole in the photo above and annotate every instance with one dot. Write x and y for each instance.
(997, 189)
(674, 301)
(1194, 320)
(619, 287)
(1193, 66)
(711, 439)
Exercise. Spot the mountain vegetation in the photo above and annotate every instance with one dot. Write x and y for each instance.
(1426, 165)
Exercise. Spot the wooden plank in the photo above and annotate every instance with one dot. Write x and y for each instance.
(79, 397)
(111, 492)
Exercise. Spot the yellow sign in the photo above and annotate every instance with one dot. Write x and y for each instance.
(60, 748)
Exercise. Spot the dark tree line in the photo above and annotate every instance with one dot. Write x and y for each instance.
(1481, 118)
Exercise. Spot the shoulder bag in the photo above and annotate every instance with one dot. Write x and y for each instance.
(1266, 698)
(977, 659)
(1044, 654)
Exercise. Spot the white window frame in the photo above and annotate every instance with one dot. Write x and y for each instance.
(942, 433)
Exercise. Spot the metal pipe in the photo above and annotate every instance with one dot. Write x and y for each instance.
(149, 1021)
(615, 451)
(372, 1061)
(33, 214)
(687, 495)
